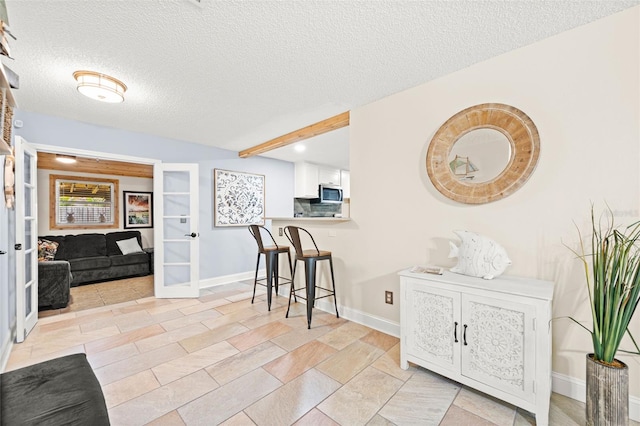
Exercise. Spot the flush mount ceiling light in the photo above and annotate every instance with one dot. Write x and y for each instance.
(66, 159)
(100, 87)
(299, 148)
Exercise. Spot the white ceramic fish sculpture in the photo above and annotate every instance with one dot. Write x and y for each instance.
(478, 256)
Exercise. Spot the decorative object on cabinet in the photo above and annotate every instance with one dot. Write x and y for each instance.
(6, 112)
(13, 79)
(9, 181)
(492, 336)
(7, 119)
(138, 209)
(521, 147)
(612, 272)
(238, 198)
(5, 49)
(478, 256)
(429, 269)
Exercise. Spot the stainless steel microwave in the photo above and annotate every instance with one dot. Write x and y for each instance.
(328, 194)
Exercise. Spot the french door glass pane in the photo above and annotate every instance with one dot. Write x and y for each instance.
(176, 181)
(177, 275)
(28, 207)
(28, 172)
(176, 204)
(177, 256)
(28, 234)
(28, 274)
(177, 252)
(176, 228)
(27, 297)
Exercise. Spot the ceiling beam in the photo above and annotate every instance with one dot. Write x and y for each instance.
(333, 123)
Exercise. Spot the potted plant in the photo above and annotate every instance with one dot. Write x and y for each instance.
(612, 271)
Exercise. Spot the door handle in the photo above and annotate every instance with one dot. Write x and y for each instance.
(192, 235)
(464, 335)
(455, 332)
(18, 246)
(3, 252)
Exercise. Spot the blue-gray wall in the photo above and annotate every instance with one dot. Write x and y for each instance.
(223, 251)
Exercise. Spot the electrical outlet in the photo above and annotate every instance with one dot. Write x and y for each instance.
(280, 232)
(388, 297)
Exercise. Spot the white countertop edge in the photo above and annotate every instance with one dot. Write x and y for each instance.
(310, 219)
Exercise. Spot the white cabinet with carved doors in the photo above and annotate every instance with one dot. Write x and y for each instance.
(491, 335)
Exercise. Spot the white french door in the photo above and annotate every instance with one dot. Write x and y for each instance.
(26, 249)
(176, 263)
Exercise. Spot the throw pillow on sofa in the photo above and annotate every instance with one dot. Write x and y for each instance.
(46, 250)
(129, 246)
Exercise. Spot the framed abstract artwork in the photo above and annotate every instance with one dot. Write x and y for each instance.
(238, 198)
(138, 209)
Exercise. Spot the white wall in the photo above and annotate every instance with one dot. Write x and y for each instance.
(125, 183)
(581, 88)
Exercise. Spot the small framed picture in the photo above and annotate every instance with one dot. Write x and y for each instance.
(138, 209)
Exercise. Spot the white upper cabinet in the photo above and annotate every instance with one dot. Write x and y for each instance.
(345, 183)
(308, 176)
(328, 175)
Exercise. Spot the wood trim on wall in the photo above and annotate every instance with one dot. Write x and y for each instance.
(333, 123)
(47, 161)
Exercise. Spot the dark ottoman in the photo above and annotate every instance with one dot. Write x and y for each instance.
(62, 391)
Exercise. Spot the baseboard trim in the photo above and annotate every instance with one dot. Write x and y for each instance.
(229, 279)
(577, 389)
(371, 321)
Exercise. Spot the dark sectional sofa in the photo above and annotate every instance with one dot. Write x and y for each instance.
(87, 258)
(61, 391)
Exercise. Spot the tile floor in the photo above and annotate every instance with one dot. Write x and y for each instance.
(219, 359)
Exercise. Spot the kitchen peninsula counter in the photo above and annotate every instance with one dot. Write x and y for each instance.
(310, 219)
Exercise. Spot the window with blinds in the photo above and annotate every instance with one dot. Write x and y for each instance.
(83, 202)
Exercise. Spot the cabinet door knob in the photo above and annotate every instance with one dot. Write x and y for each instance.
(455, 332)
(464, 335)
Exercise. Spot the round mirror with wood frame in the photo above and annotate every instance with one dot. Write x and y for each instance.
(510, 121)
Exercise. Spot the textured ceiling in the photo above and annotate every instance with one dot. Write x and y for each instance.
(234, 74)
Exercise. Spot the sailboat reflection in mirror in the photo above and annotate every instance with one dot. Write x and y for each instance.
(463, 168)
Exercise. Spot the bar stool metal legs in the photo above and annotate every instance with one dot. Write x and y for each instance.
(271, 264)
(310, 258)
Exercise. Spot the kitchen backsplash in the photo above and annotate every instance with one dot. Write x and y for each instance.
(302, 207)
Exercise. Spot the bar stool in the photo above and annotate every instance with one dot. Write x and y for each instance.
(309, 257)
(271, 262)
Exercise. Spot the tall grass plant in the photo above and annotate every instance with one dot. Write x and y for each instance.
(612, 271)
